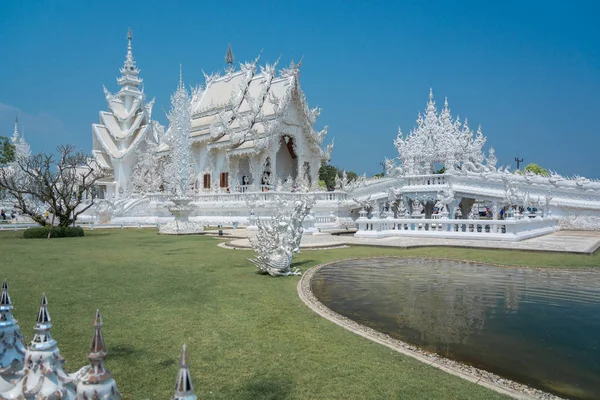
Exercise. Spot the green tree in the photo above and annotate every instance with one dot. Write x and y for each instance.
(328, 173)
(7, 151)
(352, 176)
(536, 169)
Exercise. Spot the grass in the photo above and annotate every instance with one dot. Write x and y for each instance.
(249, 336)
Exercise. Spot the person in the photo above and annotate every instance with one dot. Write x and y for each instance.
(502, 213)
(3, 215)
(47, 216)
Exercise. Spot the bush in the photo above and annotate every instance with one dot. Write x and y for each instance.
(57, 232)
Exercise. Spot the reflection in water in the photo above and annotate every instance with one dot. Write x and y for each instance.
(539, 327)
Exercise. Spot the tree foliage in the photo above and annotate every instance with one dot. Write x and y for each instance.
(536, 169)
(7, 151)
(58, 184)
(328, 174)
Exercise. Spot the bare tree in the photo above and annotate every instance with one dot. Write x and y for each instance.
(56, 183)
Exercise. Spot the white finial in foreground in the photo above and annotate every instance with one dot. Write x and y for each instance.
(184, 389)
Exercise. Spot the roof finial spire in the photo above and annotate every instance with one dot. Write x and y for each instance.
(229, 57)
(16, 131)
(129, 72)
(129, 48)
(180, 76)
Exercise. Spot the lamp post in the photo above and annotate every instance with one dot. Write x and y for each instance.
(519, 161)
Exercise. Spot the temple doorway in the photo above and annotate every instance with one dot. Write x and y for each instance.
(286, 159)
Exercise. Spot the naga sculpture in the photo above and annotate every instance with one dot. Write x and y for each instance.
(279, 238)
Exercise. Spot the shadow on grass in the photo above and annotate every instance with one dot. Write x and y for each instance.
(98, 232)
(166, 363)
(299, 263)
(263, 388)
(125, 351)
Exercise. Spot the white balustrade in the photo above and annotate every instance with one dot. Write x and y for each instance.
(426, 180)
(266, 196)
(457, 228)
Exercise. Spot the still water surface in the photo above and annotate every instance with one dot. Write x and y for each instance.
(538, 327)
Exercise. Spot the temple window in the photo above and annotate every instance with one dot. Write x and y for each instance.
(224, 179)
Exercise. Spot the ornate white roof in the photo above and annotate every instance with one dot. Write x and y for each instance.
(128, 119)
(438, 139)
(242, 110)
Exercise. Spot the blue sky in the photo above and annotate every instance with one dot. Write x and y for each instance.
(527, 71)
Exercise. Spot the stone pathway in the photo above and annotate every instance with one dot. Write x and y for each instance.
(583, 242)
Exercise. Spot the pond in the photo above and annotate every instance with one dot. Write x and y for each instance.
(535, 326)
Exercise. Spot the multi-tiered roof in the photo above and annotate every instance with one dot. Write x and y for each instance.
(128, 119)
(242, 111)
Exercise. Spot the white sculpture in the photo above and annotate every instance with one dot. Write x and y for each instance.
(179, 170)
(279, 238)
(43, 377)
(417, 208)
(97, 382)
(474, 212)
(184, 389)
(22, 149)
(402, 209)
(365, 204)
(12, 350)
(148, 175)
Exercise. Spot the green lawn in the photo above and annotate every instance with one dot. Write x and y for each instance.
(249, 336)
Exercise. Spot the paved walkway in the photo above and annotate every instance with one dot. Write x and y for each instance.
(584, 242)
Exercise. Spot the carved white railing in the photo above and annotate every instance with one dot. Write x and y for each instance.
(325, 219)
(426, 180)
(268, 196)
(223, 197)
(527, 227)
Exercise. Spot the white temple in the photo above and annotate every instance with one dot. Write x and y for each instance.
(251, 142)
(249, 127)
(22, 148)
